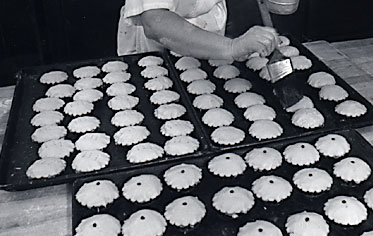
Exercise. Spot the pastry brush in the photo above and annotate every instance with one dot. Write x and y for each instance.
(280, 68)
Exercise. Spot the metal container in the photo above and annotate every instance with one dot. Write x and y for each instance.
(282, 7)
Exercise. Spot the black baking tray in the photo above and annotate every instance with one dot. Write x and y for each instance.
(216, 223)
(19, 152)
(333, 121)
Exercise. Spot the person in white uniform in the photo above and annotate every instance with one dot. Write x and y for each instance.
(188, 27)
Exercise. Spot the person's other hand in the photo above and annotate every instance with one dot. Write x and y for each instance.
(257, 39)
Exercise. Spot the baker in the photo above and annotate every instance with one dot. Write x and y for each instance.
(190, 28)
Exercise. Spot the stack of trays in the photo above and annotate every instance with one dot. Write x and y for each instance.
(19, 150)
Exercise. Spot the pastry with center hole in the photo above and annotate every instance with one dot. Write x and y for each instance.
(127, 136)
(142, 188)
(143, 152)
(259, 228)
(127, 118)
(112, 66)
(289, 51)
(237, 85)
(169, 111)
(259, 112)
(150, 61)
(90, 160)
(368, 198)
(88, 83)
(92, 141)
(47, 104)
(98, 193)
(220, 62)
(256, 63)
(272, 188)
(159, 83)
(78, 108)
(48, 132)
(265, 129)
(58, 148)
(183, 176)
(98, 225)
(119, 89)
(144, 222)
(186, 63)
(265, 158)
(207, 101)
(352, 169)
(305, 102)
(217, 117)
(123, 102)
(154, 72)
(116, 77)
(333, 92)
(351, 108)
(194, 74)
(226, 72)
(201, 86)
(164, 96)
(47, 118)
(308, 118)
(320, 79)
(247, 99)
(233, 201)
(332, 145)
(227, 135)
(172, 128)
(345, 210)
(312, 180)
(46, 168)
(181, 145)
(301, 62)
(86, 71)
(53, 77)
(60, 91)
(88, 95)
(83, 124)
(306, 223)
(227, 165)
(301, 154)
(185, 211)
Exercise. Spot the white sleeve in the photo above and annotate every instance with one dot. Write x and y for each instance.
(136, 7)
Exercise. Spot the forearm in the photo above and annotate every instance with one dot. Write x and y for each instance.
(177, 34)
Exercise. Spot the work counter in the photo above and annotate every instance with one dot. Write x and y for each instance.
(48, 211)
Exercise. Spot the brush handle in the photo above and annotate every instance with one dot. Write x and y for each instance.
(264, 13)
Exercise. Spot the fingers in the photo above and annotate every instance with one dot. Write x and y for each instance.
(268, 39)
(257, 39)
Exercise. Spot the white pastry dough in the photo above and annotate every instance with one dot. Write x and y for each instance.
(53, 77)
(227, 135)
(112, 66)
(265, 129)
(86, 71)
(116, 77)
(181, 145)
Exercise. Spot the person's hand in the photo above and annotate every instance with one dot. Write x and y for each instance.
(257, 39)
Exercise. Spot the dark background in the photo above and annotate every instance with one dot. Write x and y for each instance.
(35, 32)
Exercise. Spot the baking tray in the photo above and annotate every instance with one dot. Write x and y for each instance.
(19, 152)
(216, 223)
(333, 121)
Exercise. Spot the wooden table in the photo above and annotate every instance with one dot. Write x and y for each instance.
(47, 211)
